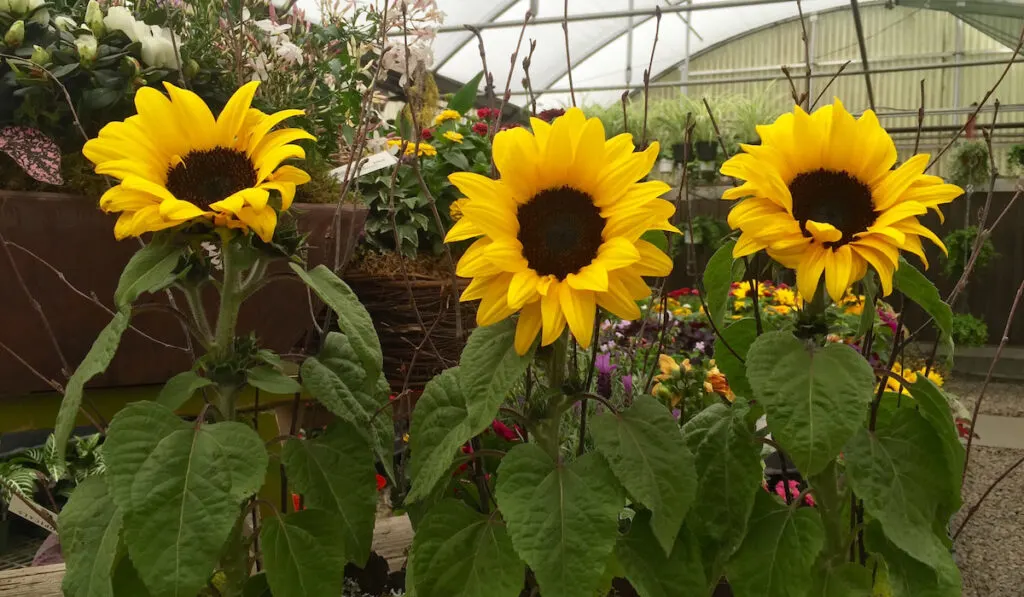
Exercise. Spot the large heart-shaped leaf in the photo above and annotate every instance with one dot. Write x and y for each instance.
(645, 450)
(490, 366)
(563, 518)
(150, 269)
(901, 475)
(815, 398)
(777, 556)
(458, 551)
(303, 554)
(845, 580)
(934, 407)
(650, 571)
(180, 388)
(717, 282)
(439, 427)
(335, 473)
(90, 533)
(907, 576)
(739, 337)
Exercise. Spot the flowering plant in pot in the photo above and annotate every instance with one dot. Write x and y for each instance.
(635, 496)
(175, 512)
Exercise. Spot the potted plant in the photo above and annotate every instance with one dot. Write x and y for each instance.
(705, 139)
(1016, 158)
(15, 479)
(748, 112)
(103, 58)
(402, 273)
(969, 165)
(669, 121)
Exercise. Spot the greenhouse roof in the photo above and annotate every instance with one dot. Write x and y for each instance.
(611, 51)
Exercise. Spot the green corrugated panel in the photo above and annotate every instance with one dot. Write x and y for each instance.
(1000, 20)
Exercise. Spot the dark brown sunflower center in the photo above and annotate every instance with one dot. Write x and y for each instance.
(208, 176)
(832, 197)
(560, 230)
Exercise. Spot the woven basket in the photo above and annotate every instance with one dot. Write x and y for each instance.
(390, 299)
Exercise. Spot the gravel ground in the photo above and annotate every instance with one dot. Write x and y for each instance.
(1003, 399)
(990, 551)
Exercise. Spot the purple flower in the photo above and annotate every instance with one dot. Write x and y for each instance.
(627, 384)
(603, 364)
(676, 413)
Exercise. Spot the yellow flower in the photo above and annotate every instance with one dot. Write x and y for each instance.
(561, 229)
(685, 311)
(735, 317)
(741, 290)
(177, 163)
(822, 198)
(781, 309)
(895, 384)
(716, 383)
(738, 305)
(785, 297)
(453, 136)
(425, 149)
(447, 115)
(935, 377)
(405, 437)
(668, 367)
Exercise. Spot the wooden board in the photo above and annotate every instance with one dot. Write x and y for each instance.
(391, 539)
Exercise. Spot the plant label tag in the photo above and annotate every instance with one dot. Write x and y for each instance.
(36, 514)
(375, 162)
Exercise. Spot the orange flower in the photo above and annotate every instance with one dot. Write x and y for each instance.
(716, 383)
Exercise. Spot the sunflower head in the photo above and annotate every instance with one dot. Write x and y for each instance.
(821, 197)
(558, 234)
(177, 163)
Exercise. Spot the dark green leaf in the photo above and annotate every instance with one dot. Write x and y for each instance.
(271, 380)
(90, 533)
(718, 281)
(95, 362)
(907, 576)
(739, 336)
(126, 580)
(728, 463)
(257, 586)
(457, 159)
(845, 580)
(489, 366)
(650, 571)
(645, 450)
(867, 316)
(464, 98)
(439, 427)
(353, 318)
(458, 551)
(900, 473)
(777, 556)
(815, 398)
(303, 554)
(911, 282)
(335, 473)
(150, 269)
(64, 70)
(934, 407)
(180, 388)
(563, 518)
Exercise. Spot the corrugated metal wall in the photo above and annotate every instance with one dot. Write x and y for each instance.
(895, 37)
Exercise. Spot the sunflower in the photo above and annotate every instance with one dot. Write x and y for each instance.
(177, 163)
(560, 230)
(822, 197)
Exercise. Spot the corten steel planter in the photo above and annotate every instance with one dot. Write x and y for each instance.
(76, 238)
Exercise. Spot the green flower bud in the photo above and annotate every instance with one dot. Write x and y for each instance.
(191, 68)
(86, 45)
(133, 65)
(94, 18)
(16, 34)
(40, 56)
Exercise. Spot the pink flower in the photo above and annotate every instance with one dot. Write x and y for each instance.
(503, 431)
(794, 491)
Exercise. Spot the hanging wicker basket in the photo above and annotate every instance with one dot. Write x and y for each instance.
(416, 348)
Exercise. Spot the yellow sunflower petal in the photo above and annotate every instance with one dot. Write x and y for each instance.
(278, 139)
(823, 233)
(593, 277)
(838, 271)
(495, 217)
(652, 261)
(494, 305)
(551, 314)
(291, 174)
(507, 255)
(271, 160)
(522, 288)
(229, 123)
(463, 230)
(477, 288)
(580, 307)
(285, 189)
(264, 124)
(175, 209)
(809, 271)
(618, 300)
(528, 327)
(881, 264)
(474, 261)
(193, 110)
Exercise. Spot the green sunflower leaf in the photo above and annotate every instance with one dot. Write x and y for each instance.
(934, 407)
(739, 337)
(845, 580)
(908, 577)
(728, 462)
(271, 380)
(150, 269)
(717, 282)
(911, 282)
(440, 425)
(180, 388)
(777, 556)
(900, 473)
(645, 450)
(458, 551)
(95, 362)
(562, 518)
(650, 571)
(353, 319)
(335, 473)
(90, 534)
(489, 367)
(815, 398)
(303, 554)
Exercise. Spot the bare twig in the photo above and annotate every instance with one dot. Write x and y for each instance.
(714, 123)
(647, 73)
(981, 104)
(568, 58)
(488, 77)
(798, 98)
(897, 349)
(507, 94)
(527, 83)
(920, 120)
(974, 508)
(807, 52)
(50, 382)
(829, 83)
(988, 378)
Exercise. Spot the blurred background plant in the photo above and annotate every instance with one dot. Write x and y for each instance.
(969, 165)
(969, 331)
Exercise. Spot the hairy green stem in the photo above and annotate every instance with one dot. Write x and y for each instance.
(231, 294)
(546, 430)
(194, 300)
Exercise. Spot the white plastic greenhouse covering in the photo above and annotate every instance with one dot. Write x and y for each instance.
(604, 52)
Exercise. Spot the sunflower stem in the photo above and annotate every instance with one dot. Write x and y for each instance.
(546, 430)
(196, 309)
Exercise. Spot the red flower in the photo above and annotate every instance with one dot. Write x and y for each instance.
(549, 115)
(381, 482)
(681, 292)
(426, 134)
(480, 128)
(296, 502)
(485, 113)
(503, 430)
(963, 427)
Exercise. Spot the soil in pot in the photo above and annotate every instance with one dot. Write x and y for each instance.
(707, 151)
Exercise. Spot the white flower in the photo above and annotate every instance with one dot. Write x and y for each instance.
(259, 67)
(41, 16)
(158, 47)
(120, 19)
(63, 23)
(289, 52)
(268, 27)
(86, 45)
(420, 57)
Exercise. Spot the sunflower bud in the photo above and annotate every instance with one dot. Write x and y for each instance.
(16, 34)
(40, 56)
(94, 18)
(86, 45)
